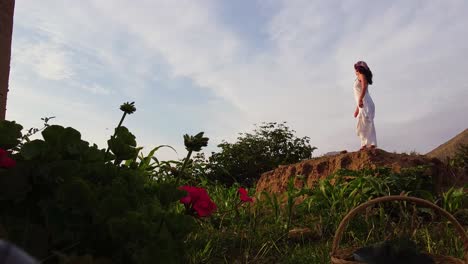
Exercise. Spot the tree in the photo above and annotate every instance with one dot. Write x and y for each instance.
(6, 29)
(269, 146)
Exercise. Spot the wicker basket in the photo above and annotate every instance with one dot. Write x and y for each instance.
(344, 256)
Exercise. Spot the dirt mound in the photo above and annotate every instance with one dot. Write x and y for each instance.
(276, 181)
(449, 148)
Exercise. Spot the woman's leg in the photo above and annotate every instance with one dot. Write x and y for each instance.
(363, 138)
(372, 137)
(361, 131)
(366, 132)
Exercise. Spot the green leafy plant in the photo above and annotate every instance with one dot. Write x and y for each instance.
(33, 130)
(68, 201)
(346, 189)
(11, 134)
(459, 162)
(454, 199)
(270, 145)
(64, 197)
(292, 194)
(123, 145)
(192, 144)
(126, 138)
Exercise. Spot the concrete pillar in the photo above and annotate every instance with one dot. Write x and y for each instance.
(6, 32)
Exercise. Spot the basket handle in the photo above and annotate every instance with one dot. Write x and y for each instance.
(418, 201)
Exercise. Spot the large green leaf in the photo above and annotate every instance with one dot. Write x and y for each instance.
(123, 144)
(36, 149)
(93, 153)
(10, 133)
(168, 193)
(66, 141)
(146, 160)
(53, 134)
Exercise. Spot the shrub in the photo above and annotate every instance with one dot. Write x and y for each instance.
(269, 146)
(67, 197)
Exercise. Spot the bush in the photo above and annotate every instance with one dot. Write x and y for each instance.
(67, 197)
(269, 146)
(460, 160)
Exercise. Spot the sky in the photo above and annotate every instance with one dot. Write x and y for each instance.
(223, 66)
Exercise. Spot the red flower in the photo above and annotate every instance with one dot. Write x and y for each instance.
(5, 161)
(244, 196)
(198, 199)
(204, 207)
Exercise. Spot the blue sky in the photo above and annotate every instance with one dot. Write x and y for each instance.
(223, 66)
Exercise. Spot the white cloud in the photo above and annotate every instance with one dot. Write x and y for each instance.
(303, 75)
(96, 89)
(87, 118)
(47, 60)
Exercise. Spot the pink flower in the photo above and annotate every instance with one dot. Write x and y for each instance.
(198, 199)
(5, 161)
(244, 195)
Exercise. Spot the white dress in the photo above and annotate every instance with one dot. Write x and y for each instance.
(365, 124)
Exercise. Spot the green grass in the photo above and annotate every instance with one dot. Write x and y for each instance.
(258, 232)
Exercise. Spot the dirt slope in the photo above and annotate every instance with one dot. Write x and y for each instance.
(449, 148)
(276, 181)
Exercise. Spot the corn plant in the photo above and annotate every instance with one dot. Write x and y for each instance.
(454, 199)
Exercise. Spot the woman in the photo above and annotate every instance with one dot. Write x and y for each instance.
(365, 109)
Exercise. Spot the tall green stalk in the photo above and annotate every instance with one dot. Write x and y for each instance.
(184, 165)
(126, 108)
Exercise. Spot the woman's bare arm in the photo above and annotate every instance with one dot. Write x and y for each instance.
(364, 85)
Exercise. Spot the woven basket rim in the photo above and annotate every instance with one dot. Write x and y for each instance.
(336, 259)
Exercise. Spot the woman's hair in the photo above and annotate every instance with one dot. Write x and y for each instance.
(362, 67)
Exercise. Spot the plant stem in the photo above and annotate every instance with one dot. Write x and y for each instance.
(115, 131)
(187, 158)
(121, 120)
